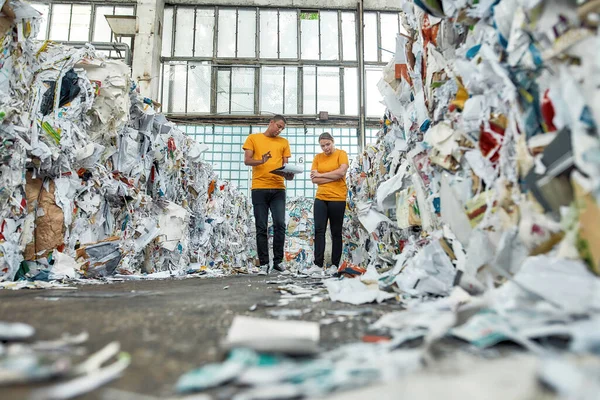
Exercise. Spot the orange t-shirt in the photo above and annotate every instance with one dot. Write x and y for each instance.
(262, 178)
(332, 191)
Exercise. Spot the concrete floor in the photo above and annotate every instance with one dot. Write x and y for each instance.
(168, 327)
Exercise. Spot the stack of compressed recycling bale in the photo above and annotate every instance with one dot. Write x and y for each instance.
(489, 148)
(93, 181)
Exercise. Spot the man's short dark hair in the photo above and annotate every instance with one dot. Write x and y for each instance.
(278, 117)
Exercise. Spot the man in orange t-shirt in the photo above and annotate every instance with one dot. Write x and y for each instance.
(265, 152)
(329, 172)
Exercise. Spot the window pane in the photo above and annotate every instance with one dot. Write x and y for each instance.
(309, 29)
(268, 34)
(223, 77)
(370, 37)
(291, 90)
(288, 34)
(167, 33)
(373, 105)
(80, 23)
(61, 16)
(242, 91)
(309, 80)
(177, 79)
(128, 41)
(246, 33)
(166, 87)
(389, 31)
(329, 35)
(349, 36)
(205, 25)
(43, 9)
(124, 11)
(226, 46)
(198, 88)
(102, 32)
(184, 42)
(328, 86)
(271, 90)
(351, 91)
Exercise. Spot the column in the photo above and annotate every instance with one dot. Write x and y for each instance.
(147, 47)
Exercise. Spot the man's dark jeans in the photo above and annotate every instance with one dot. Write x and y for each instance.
(264, 200)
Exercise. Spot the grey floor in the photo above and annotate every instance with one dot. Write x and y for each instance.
(168, 327)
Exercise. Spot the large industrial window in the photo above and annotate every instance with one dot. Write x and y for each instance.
(226, 156)
(81, 22)
(241, 60)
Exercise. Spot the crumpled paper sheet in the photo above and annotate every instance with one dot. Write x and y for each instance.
(354, 291)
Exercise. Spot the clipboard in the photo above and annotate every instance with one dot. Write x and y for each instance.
(287, 169)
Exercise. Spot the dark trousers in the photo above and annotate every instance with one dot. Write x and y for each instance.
(332, 211)
(264, 200)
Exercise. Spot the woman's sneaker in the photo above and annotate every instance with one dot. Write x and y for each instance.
(315, 271)
(332, 271)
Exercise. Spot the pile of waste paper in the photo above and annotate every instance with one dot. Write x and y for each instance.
(65, 359)
(489, 153)
(299, 232)
(95, 182)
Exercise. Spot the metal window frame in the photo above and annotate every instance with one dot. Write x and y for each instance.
(237, 31)
(93, 5)
(257, 76)
(194, 32)
(319, 39)
(216, 63)
(378, 36)
(283, 89)
(51, 17)
(278, 37)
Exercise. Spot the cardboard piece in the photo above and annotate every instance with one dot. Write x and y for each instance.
(7, 19)
(589, 227)
(407, 208)
(49, 228)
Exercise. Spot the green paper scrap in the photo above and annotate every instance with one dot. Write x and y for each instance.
(49, 129)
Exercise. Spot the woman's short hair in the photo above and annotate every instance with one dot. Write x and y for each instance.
(326, 136)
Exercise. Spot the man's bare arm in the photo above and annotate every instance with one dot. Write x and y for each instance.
(250, 161)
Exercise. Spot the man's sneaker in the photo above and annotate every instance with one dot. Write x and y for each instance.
(303, 270)
(264, 269)
(252, 270)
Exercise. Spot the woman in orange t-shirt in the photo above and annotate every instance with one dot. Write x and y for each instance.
(329, 173)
